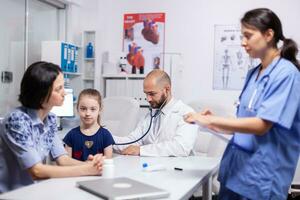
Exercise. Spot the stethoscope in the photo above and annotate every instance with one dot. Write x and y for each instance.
(152, 116)
(265, 79)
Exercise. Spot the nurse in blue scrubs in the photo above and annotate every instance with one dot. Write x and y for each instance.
(260, 160)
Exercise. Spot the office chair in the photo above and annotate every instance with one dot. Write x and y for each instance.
(120, 115)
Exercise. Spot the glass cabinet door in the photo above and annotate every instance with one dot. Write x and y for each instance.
(24, 24)
(12, 52)
(43, 25)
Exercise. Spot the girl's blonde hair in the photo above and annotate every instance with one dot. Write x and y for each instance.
(94, 94)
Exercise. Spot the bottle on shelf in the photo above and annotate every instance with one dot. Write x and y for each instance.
(89, 50)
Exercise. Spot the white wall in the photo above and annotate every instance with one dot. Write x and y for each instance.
(190, 30)
(83, 15)
(39, 14)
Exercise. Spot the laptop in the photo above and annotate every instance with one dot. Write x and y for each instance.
(122, 188)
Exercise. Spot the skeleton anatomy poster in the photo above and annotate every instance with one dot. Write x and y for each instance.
(231, 62)
(144, 37)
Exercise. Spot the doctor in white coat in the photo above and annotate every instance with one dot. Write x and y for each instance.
(169, 134)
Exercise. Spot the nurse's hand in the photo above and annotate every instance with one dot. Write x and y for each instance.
(204, 119)
(206, 112)
(198, 118)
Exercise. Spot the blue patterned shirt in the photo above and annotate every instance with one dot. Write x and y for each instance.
(25, 141)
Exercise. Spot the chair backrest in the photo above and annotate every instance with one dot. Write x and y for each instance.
(120, 115)
(216, 146)
(216, 107)
(202, 143)
(207, 143)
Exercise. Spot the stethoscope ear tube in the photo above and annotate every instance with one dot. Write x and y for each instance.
(158, 112)
(151, 118)
(264, 79)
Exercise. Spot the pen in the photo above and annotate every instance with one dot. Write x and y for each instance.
(177, 168)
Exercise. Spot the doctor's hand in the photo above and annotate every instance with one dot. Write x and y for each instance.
(132, 150)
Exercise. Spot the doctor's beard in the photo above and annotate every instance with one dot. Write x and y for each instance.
(159, 103)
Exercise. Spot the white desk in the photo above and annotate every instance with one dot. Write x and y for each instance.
(197, 171)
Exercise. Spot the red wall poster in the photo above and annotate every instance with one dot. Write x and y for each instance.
(143, 41)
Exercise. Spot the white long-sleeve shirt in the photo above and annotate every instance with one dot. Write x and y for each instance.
(175, 137)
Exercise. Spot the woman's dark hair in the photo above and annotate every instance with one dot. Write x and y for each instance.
(264, 19)
(37, 82)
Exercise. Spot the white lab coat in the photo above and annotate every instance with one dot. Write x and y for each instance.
(175, 137)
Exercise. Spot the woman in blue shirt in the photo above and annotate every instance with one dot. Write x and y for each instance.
(28, 134)
(260, 160)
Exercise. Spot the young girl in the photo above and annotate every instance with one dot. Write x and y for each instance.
(89, 138)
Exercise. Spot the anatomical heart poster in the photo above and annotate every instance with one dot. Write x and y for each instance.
(143, 41)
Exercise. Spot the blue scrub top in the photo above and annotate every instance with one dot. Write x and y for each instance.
(264, 166)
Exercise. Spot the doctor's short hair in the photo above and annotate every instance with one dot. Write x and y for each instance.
(37, 84)
(263, 19)
(162, 78)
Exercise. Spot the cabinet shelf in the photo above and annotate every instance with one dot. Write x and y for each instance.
(139, 76)
(72, 73)
(88, 63)
(130, 85)
(89, 59)
(88, 79)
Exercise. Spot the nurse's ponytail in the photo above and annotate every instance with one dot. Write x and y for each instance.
(264, 19)
(289, 51)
